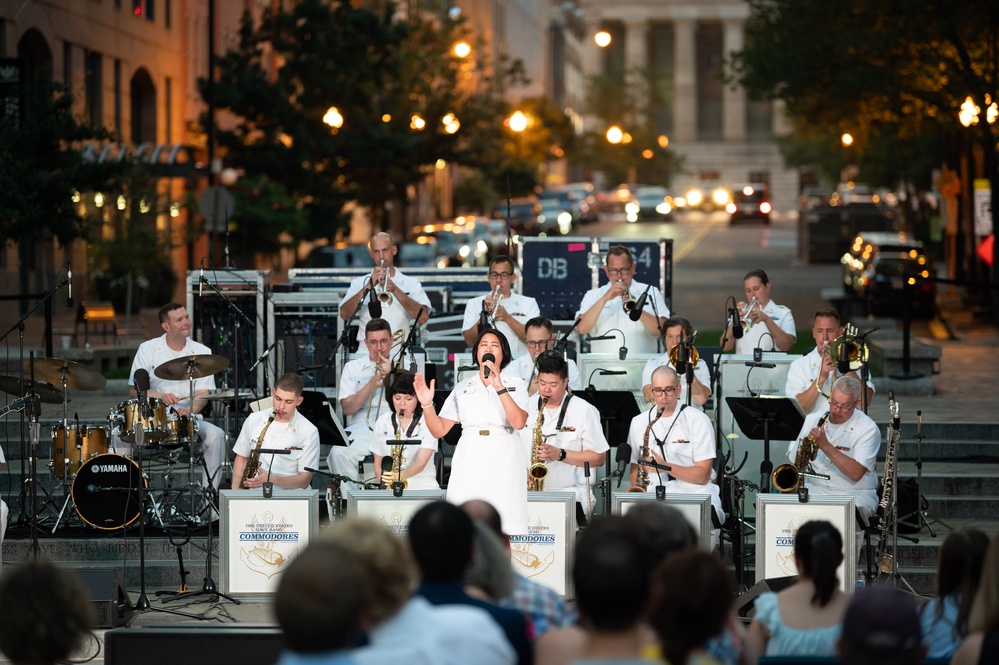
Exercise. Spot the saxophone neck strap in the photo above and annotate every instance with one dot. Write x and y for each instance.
(412, 425)
(561, 413)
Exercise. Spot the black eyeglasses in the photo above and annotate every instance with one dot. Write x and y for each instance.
(613, 272)
(669, 390)
(501, 275)
(540, 344)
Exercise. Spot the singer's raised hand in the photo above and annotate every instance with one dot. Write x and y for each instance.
(424, 393)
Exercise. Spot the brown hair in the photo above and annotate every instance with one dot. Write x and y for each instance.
(291, 382)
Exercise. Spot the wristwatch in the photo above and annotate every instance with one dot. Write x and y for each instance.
(561, 455)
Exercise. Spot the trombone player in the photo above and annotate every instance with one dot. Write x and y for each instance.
(811, 377)
(395, 297)
(504, 310)
(677, 330)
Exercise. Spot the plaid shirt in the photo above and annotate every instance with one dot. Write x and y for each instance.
(546, 608)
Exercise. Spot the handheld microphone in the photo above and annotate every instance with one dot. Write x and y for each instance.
(736, 322)
(201, 279)
(387, 464)
(844, 358)
(488, 358)
(69, 278)
(623, 458)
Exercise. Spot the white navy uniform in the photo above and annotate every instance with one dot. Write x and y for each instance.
(297, 433)
(395, 313)
(342, 460)
(524, 368)
(637, 337)
(521, 308)
(424, 480)
(759, 337)
(700, 373)
(802, 374)
(490, 462)
(581, 430)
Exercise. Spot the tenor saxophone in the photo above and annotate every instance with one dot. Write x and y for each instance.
(538, 469)
(642, 476)
(886, 561)
(785, 478)
(398, 459)
(253, 462)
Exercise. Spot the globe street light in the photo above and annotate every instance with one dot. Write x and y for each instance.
(602, 39)
(517, 122)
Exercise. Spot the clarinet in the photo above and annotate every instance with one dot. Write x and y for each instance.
(886, 561)
(253, 462)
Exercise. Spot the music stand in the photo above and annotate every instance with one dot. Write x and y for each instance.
(766, 418)
(617, 409)
(317, 408)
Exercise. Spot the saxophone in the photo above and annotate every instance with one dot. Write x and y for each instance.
(538, 470)
(642, 475)
(253, 462)
(886, 562)
(398, 459)
(785, 477)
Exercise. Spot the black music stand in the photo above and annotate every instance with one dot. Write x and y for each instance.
(617, 409)
(766, 418)
(318, 409)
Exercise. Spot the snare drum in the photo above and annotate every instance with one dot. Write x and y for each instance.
(72, 447)
(182, 430)
(106, 492)
(127, 415)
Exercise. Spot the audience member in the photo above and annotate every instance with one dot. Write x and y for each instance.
(881, 627)
(944, 619)
(441, 537)
(46, 612)
(696, 598)
(805, 618)
(982, 643)
(543, 605)
(490, 575)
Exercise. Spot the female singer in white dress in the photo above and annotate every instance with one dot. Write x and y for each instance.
(489, 462)
(405, 421)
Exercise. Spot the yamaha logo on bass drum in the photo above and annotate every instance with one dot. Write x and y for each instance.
(110, 468)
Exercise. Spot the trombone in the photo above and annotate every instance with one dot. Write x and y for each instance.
(856, 351)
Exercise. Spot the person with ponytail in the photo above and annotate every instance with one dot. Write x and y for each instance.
(959, 572)
(806, 618)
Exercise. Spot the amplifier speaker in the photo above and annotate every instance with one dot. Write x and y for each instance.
(192, 644)
(745, 605)
(112, 606)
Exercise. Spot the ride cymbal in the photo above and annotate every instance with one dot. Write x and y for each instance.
(78, 376)
(202, 365)
(46, 393)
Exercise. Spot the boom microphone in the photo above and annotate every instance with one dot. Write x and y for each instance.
(623, 458)
(636, 312)
(736, 322)
(844, 358)
(201, 279)
(488, 358)
(69, 278)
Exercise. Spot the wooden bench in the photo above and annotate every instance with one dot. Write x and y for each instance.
(95, 312)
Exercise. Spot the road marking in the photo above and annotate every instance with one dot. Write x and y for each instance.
(691, 243)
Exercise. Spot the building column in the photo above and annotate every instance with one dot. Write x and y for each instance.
(733, 97)
(685, 76)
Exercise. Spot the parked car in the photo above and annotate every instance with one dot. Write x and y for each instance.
(856, 262)
(652, 203)
(523, 214)
(749, 202)
(554, 217)
(339, 256)
(885, 284)
(813, 197)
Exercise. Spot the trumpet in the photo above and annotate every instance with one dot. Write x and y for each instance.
(496, 298)
(384, 297)
(747, 322)
(856, 351)
(628, 303)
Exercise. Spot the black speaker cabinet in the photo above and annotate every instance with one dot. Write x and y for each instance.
(112, 606)
(260, 645)
(745, 605)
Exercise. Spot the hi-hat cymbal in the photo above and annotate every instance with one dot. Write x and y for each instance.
(78, 377)
(46, 393)
(180, 368)
(228, 394)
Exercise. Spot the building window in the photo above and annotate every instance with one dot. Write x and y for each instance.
(94, 86)
(661, 47)
(167, 6)
(168, 108)
(67, 64)
(117, 99)
(709, 82)
(145, 8)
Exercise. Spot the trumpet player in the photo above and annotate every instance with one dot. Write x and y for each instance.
(404, 420)
(613, 309)
(399, 297)
(360, 393)
(289, 430)
(540, 337)
(765, 324)
(810, 378)
(571, 431)
(678, 330)
(848, 444)
(681, 438)
(504, 310)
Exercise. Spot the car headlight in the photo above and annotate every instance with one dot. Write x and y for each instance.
(564, 218)
(631, 207)
(663, 208)
(694, 197)
(464, 251)
(731, 208)
(720, 197)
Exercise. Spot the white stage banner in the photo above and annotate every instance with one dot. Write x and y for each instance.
(543, 554)
(392, 511)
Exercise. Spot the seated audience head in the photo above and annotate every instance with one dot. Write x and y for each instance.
(485, 512)
(959, 572)
(664, 528)
(696, 592)
(387, 572)
(881, 627)
(985, 609)
(46, 612)
(320, 600)
(818, 553)
(440, 537)
(490, 571)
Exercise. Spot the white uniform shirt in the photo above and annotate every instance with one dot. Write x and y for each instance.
(859, 438)
(424, 480)
(154, 352)
(759, 337)
(299, 433)
(522, 308)
(700, 373)
(637, 337)
(802, 374)
(524, 368)
(688, 437)
(581, 430)
(395, 313)
(354, 375)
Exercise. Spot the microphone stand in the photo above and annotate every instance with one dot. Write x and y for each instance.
(722, 457)
(861, 339)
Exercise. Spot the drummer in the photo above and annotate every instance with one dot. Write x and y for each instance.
(176, 343)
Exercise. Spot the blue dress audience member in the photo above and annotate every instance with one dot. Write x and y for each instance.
(881, 627)
(982, 643)
(944, 619)
(804, 619)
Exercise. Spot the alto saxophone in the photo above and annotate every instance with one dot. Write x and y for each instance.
(538, 469)
(253, 462)
(642, 476)
(786, 477)
(886, 561)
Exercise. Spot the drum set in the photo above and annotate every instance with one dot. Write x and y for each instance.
(102, 485)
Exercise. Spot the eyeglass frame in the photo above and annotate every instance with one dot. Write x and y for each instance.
(617, 272)
(669, 390)
(500, 275)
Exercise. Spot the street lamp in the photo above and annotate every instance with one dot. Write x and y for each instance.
(462, 49)
(614, 134)
(602, 39)
(517, 122)
(334, 119)
(846, 139)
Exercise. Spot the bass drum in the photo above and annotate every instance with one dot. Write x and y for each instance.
(106, 492)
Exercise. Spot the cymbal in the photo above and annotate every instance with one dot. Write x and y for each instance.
(46, 393)
(78, 377)
(228, 394)
(203, 365)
